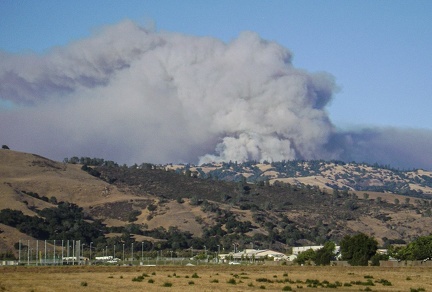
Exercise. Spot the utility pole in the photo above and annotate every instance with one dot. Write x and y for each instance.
(19, 251)
(132, 254)
(91, 243)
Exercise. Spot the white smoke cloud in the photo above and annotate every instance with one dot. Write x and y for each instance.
(131, 95)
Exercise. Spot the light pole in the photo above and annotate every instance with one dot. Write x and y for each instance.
(54, 260)
(132, 254)
(171, 257)
(82, 253)
(142, 251)
(218, 253)
(28, 252)
(123, 253)
(205, 251)
(114, 252)
(90, 251)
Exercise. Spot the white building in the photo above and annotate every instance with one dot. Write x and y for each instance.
(254, 254)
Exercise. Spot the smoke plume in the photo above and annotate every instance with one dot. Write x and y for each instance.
(132, 95)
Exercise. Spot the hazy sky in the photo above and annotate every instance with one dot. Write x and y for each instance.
(379, 52)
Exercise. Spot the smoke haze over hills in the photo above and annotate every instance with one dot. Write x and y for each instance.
(132, 95)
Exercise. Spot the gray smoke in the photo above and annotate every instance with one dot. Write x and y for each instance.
(133, 95)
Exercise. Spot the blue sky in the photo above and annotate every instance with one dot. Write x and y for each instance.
(378, 51)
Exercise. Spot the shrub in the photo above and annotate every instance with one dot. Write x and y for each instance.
(151, 281)
(195, 275)
(384, 282)
(191, 282)
(138, 279)
(232, 281)
(287, 288)
(264, 280)
(84, 284)
(167, 284)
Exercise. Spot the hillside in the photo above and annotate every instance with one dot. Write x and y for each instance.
(327, 175)
(182, 206)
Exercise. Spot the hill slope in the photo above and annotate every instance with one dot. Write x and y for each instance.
(139, 201)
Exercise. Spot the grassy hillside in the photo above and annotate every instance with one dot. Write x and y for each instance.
(175, 207)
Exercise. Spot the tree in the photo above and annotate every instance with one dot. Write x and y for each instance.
(358, 249)
(419, 249)
(325, 255)
(375, 259)
(306, 256)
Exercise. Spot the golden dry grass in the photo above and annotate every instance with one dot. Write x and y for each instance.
(211, 278)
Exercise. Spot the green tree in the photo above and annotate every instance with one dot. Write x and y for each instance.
(325, 255)
(306, 256)
(375, 259)
(358, 249)
(419, 249)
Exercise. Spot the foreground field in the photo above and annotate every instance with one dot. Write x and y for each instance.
(211, 278)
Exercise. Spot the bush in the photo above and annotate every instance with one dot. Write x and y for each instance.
(167, 284)
(264, 280)
(287, 288)
(138, 279)
(152, 207)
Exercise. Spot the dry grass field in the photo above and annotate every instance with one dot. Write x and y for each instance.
(214, 278)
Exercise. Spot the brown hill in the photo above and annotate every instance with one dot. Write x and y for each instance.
(284, 214)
